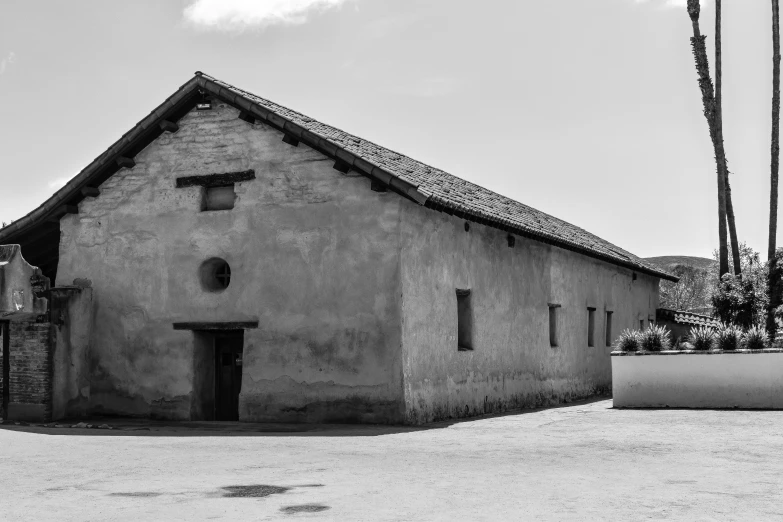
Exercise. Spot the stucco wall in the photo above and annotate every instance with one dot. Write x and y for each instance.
(699, 380)
(314, 257)
(72, 322)
(17, 298)
(512, 364)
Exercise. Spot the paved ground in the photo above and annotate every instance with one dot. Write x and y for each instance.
(580, 462)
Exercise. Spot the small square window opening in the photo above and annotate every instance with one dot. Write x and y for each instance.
(218, 198)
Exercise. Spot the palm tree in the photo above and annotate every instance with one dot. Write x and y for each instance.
(735, 253)
(774, 275)
(714, 123)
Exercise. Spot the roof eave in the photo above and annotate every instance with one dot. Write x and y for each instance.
(71, 190)
(312, 139)
(374, 171)
(132, 139)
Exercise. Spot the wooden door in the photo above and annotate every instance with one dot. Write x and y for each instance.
(228, 378)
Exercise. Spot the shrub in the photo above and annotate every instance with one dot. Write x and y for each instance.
(742, 300)
(655, 339)
(755, 338)
(702, 338)
(629, 341)
(727, 337)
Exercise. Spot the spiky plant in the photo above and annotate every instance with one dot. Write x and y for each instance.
(702, 338)
(655, 339)
(755, 338)
(629, 341)
(727, 337)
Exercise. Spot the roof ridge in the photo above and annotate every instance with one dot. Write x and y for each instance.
(594, 242)
(267, 100)
(423, 183)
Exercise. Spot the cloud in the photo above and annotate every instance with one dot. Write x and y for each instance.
(238, 15)
(8, 60)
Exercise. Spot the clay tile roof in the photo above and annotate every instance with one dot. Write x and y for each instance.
(683, 317)
(446, 190)
(426, 185)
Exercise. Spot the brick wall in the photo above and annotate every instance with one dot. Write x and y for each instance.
(30, 365)
(3, 334)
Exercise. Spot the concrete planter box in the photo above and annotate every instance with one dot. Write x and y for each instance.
(751, 379)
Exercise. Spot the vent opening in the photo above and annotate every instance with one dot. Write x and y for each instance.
(215, 274)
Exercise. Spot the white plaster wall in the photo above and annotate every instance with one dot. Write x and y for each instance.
(314, 258)
(736, 380)
(512, 364)
(17, 301)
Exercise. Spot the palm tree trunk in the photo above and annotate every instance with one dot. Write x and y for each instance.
(708, 99)
(735, 255)
(774, 275)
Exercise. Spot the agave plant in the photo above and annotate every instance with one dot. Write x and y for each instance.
(755, 338)
(702, 338)
(629, 341)
(727, 337)
(655, 339)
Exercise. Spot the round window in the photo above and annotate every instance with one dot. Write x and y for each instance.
(215, 274)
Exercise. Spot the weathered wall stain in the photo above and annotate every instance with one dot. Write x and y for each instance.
(314, 258)
(512, 365)
(72, 313)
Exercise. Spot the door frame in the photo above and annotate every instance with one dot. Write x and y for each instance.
(238, 335)
(204, 337)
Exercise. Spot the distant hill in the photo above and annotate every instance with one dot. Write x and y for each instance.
(666, 262)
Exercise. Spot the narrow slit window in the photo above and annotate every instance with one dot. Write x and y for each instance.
(464, 321)
(591, 327)
(553, 325)
(641, 324)
(608, 328)
(218, 198)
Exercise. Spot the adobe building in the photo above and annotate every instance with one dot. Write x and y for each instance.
(229, 258)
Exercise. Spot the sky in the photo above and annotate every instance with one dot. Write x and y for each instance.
(588, 110)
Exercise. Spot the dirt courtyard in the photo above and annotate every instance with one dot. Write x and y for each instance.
(579, 462)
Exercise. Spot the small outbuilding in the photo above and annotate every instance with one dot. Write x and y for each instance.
(681, 322)
(229, 258)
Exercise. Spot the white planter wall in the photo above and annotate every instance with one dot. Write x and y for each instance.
(741, 379)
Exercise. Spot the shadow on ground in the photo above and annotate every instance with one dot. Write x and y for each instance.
(133, 427)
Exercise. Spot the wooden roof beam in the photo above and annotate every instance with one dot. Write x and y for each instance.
(246, 116)
(126, 162)
(90, 192)
(62, 211)
(290, 140)
(169, 126)
(341, 166)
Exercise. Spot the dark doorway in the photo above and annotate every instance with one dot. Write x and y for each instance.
(228, 375)
(5, 359)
